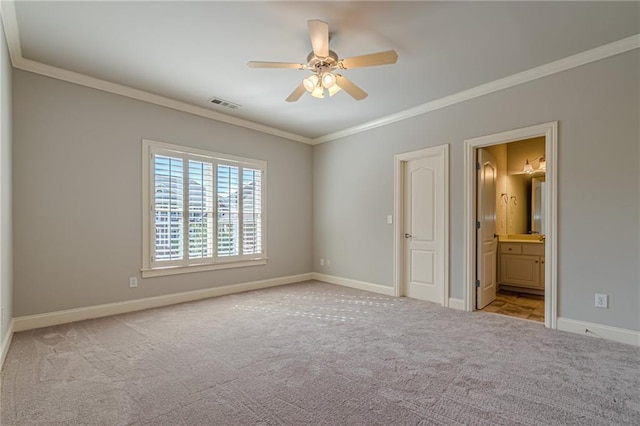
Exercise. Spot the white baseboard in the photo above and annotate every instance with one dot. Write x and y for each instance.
(30, 322)
(359, 285)
(456, 304)
(621, 335)
(6, 342)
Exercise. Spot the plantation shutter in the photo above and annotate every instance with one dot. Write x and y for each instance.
(204, 209)
(168, 209)
(251, 211)
(228, 210)
(201, 210)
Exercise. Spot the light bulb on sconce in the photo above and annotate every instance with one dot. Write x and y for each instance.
(542, 165)
(528, 168)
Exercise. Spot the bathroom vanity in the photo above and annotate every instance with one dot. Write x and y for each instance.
(521, 263)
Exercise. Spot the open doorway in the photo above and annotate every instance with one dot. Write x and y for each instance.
(511, 238)
(510, 227)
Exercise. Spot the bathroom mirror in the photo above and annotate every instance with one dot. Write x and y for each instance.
(537, 205)
(524, 204)
(518, 211)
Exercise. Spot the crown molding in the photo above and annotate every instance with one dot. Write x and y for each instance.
(11, 32)
(579, 59)
(7, 12)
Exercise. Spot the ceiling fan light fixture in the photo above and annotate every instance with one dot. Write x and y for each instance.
(328, 80)
(323, 64)
(310, 83)
(318, 92)
(334, 89)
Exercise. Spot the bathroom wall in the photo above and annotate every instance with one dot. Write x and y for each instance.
(521, 151)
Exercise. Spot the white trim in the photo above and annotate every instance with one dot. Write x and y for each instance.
(550, 132)
(228, 158)
(11, 32)
(457, 304)
(622, 335)
(6, 342)
(359, 285)
(399, 215)
(149, 268)
(579, 59)
(176, 270)
(7, 10)
(30, 322)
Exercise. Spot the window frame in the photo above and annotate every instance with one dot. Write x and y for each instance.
(152, 269)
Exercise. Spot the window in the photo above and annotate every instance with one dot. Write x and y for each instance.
(202, 210)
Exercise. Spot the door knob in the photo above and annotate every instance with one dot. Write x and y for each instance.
(407, 235)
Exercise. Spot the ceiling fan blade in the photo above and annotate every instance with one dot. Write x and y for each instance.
(345, 84)
(295, 95)
(291, 65)
(319, 33)
(380, 58)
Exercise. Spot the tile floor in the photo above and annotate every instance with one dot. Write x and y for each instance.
(520, 305)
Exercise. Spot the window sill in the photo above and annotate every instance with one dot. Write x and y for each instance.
(175, 270)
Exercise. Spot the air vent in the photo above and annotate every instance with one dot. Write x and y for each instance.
(222, 103)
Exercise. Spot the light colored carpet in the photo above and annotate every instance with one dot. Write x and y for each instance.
(314, 353)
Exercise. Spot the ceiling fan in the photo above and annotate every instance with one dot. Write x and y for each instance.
(324, 63)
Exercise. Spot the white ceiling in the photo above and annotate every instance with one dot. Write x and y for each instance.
(193, 51)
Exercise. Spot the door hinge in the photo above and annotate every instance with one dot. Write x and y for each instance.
(477, 225)
(477, 166)
(477, 283)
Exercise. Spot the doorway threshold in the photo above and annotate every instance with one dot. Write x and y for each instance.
(517, 305)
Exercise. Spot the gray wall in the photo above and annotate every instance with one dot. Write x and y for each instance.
(6, 260)
(77, 190)
(597, 106)
(77, 195)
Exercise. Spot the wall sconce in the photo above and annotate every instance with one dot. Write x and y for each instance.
(542, 166)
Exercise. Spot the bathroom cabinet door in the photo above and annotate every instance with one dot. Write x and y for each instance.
(521, 270)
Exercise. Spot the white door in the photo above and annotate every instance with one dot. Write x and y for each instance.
(424, 228)
(486, 238)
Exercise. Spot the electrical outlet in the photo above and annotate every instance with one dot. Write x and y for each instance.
(133, 282)
(328, 262)
(389, 219)
(602, 301)
(321, 262)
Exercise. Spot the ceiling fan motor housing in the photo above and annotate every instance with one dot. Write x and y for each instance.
(322, 64)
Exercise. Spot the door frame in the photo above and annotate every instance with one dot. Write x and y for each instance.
(398, 213)
(550, 132)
